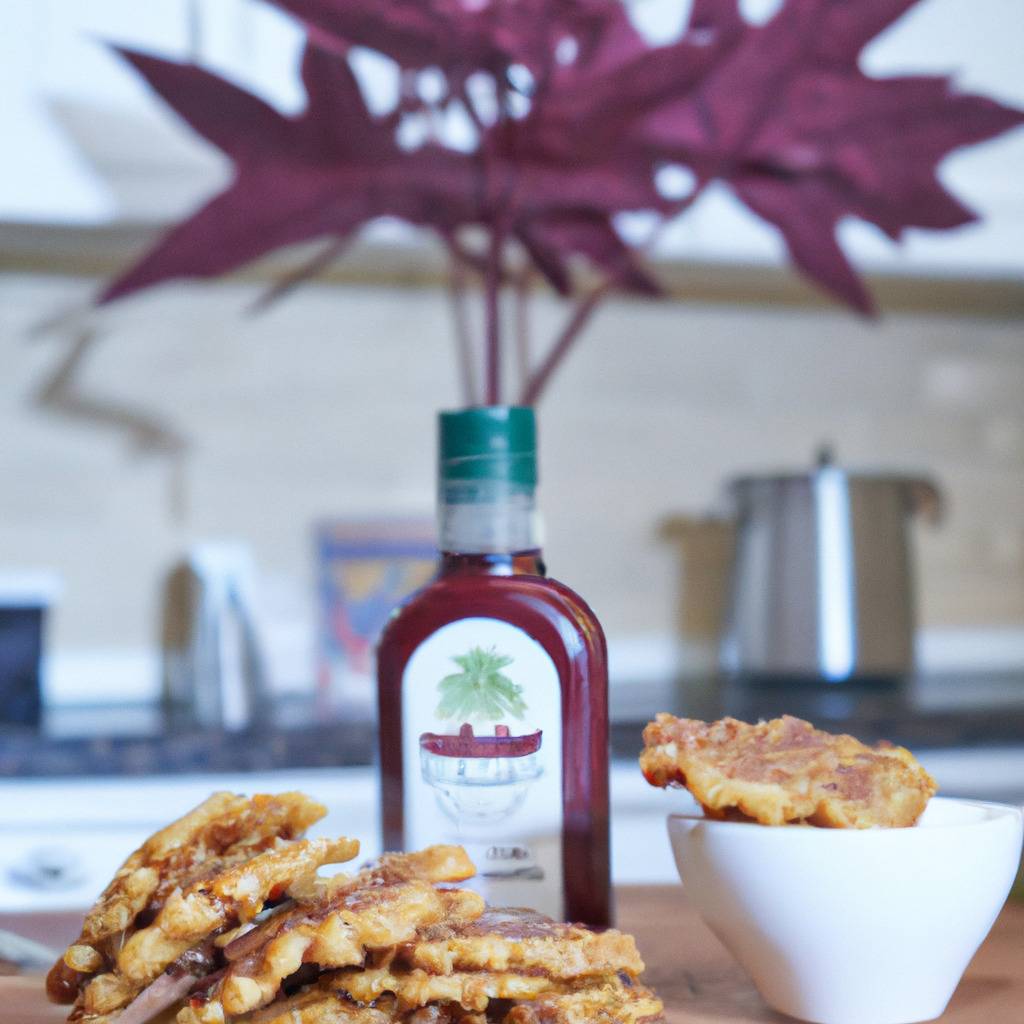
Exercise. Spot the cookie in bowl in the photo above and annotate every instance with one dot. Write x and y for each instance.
(786, 772)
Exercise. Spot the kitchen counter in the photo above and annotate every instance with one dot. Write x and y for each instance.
(701, 983)
(698, 980)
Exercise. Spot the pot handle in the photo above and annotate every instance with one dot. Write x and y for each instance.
(925, 498)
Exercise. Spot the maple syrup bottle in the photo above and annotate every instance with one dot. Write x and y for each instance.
(493, 690)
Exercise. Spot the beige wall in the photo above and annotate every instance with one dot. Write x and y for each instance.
(324, 405)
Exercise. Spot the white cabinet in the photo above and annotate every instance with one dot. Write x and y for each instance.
(61, 840)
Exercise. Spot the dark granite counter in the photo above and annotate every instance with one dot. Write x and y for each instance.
(931, 712)
(142, 740)
(956, 710)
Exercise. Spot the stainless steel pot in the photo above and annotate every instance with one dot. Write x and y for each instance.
(822, 579)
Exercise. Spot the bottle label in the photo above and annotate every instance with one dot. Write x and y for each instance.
(482, 750)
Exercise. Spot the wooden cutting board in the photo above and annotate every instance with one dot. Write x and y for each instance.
(699, 981)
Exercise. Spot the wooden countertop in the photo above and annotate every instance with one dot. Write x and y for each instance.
(699, 981)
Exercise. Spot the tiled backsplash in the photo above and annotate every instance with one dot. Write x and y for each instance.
(323, 407)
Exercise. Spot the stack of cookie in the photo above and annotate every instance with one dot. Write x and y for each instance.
(223, 918)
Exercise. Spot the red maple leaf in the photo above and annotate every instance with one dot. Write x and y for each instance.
(334, 167)
(458, 36)
(783, 113)
(587, 114)
(325, 172)
(805, 138)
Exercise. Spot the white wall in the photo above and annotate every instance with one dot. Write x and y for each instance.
(325, 405)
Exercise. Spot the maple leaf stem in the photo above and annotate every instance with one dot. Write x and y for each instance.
(463, 339)
(471, 111)
(287, 284)
(535, 383)
(470, 260)
(523, 292)
(492, 290)
(577, 321)
(61, 395)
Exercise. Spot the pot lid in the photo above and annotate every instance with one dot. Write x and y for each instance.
(825, 462)
(921, 493)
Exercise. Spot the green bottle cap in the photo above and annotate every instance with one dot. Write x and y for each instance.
(494, 442)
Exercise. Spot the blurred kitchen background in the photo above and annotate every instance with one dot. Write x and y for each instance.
(199, 500)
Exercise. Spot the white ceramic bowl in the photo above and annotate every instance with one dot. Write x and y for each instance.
(843, 926)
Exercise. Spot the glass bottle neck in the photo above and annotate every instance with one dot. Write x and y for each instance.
(489, 526)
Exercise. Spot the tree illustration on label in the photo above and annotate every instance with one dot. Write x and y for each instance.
(481, 779)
